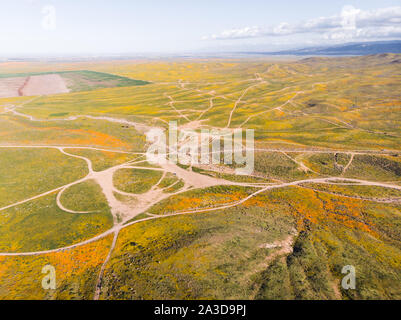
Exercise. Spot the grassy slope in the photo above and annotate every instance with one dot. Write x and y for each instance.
(40, 225)
(76, 273)
(85, 196)
(102, 160)
(218, 254)
(81, 132)
(136, 180)
(347, 103)
(27, 172)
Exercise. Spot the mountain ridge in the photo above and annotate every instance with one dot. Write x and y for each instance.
(346, 49)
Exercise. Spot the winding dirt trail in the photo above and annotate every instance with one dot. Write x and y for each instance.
(171, 104)
(101, 273)
(348, 164)
(122, 212)
(140, 127)
(239, 100)
(269, 110)
(261, 190)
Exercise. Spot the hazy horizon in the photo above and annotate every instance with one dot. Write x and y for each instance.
(36, 27)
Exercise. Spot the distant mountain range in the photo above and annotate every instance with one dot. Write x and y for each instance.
(347, 49)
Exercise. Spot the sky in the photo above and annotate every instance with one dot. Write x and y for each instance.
(176, 26)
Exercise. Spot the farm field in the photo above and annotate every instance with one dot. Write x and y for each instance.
(78, 192)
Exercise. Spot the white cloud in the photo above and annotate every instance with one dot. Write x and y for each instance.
(247, 32)
(351, 23)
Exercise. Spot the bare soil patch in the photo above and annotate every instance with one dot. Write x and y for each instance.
(43, 85)
(9, 87)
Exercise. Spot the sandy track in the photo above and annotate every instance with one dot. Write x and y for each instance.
(101, 273)
(171, 104)
(269, 110)
(262, 189)
(348, 164)
(239, 100)
(61, 206)
(138, 126)
(194, 179)
(155, 195)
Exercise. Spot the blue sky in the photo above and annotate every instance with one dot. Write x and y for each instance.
(174, 26)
